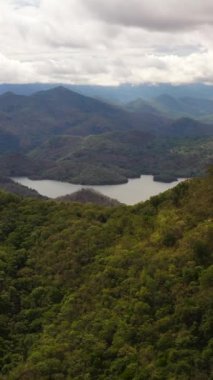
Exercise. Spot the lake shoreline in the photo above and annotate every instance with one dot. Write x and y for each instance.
(134, 191)
(157, 178)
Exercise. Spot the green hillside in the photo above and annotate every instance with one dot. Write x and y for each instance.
(89, 292)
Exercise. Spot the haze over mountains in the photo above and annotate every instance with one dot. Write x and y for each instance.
(60, 134)
(193, 107)
(119, 94)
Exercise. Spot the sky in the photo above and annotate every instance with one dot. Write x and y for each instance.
(106, 42)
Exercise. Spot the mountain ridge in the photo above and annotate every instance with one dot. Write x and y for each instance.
(122, 93)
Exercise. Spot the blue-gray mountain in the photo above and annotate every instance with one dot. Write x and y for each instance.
(60, 134)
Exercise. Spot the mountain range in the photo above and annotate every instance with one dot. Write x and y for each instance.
(171, 106)
(60, 134)
(120, 94)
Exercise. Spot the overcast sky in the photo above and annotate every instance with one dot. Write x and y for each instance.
(106, 41)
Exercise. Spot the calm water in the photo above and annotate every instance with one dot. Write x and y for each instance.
(136, 190)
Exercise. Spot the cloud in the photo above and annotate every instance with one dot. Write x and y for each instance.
(12, 71)
(90, 41)
(154, 14)
(26, 3)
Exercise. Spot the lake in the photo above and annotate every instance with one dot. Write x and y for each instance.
(136, 190)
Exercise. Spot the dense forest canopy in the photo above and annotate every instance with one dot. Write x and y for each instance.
(88, 292)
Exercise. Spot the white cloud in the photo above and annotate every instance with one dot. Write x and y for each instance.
(12, 70)
(91, 41)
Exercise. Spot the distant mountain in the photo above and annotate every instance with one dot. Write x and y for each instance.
(25, 88)
(142, 106)
(186, 127)
(60, 134)
(147, 109)
(185, 106)
(89, 196)
(171, 106)
(33, 119)
(168, 103)
(122, 93)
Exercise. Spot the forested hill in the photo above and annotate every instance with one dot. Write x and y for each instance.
(89, 196)
(107, 293)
